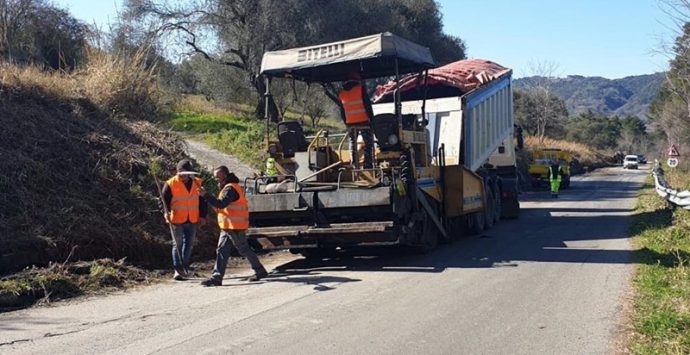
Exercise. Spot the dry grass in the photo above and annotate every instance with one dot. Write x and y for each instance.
(122, 85)
(585, 155)
(60, 281)
(18, 80)
(118, 84)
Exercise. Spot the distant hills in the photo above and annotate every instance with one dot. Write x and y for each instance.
(626, 96)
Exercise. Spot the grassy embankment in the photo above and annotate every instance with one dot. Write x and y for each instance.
(232, 128)
(661, 307)
(80, 152)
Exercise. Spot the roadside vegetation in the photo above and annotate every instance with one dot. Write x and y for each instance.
(80, 153)
(227, 128)
(661, 308)
(66, 280)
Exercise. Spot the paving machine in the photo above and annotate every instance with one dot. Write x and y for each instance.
(428, 182)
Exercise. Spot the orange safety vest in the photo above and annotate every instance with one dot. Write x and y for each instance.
(235, 216)
(353, 104)
(184, 205)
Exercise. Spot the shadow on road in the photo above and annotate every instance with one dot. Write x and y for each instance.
(563, 233)
(580, 190)
(309, 277)
(563, 239)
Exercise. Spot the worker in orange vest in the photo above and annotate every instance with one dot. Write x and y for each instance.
(233, 220)
(187, 209)
(356, 112)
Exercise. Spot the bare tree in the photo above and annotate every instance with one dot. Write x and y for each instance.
(539, 87)
(232, 33)
(13, 17)
(670, 110)
(316, 106)
(242, 30)
(36, 31)
(628, 141)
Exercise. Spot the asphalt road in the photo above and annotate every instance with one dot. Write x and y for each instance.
(553, 281)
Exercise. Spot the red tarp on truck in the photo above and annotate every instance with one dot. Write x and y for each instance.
(463, 76)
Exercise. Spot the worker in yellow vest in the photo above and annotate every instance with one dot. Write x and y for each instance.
(555, 175)
(186, 209)
(233, 220)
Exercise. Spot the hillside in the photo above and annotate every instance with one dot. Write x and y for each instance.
(626, 96)
(78, 162)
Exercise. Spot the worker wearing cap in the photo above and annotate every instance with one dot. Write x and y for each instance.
(356, 111)
(187, 209)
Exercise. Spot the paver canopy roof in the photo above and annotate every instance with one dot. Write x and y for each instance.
(372, 56)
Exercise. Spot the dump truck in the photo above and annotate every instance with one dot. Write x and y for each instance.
(444, 162)
(542, 159)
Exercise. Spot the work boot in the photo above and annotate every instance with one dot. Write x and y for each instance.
(178, 276)
(212, 281)
(258, 276)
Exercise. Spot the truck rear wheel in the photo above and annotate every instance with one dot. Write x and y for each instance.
(498, 208)
(474, 223)
(427, 235)
(455, 228)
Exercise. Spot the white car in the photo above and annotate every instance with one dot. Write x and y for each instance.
(630, 162)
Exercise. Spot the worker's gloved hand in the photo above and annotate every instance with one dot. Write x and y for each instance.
(168, 217)
(202, 191)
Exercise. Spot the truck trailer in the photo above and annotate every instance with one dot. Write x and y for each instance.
(444, 162)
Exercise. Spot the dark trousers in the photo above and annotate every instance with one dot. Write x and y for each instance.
(368, 146)
(226, 240)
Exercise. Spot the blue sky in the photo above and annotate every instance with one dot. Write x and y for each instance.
(609, 38)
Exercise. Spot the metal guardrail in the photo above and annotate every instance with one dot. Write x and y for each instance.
(678, 198)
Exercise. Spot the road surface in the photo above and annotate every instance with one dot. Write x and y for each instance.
(553, 281)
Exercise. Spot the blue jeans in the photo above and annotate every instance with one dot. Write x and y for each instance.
(184, 238)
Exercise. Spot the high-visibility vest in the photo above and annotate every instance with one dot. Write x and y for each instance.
(554, 175)
(235, 216)
(353, 104)
(184, 205)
